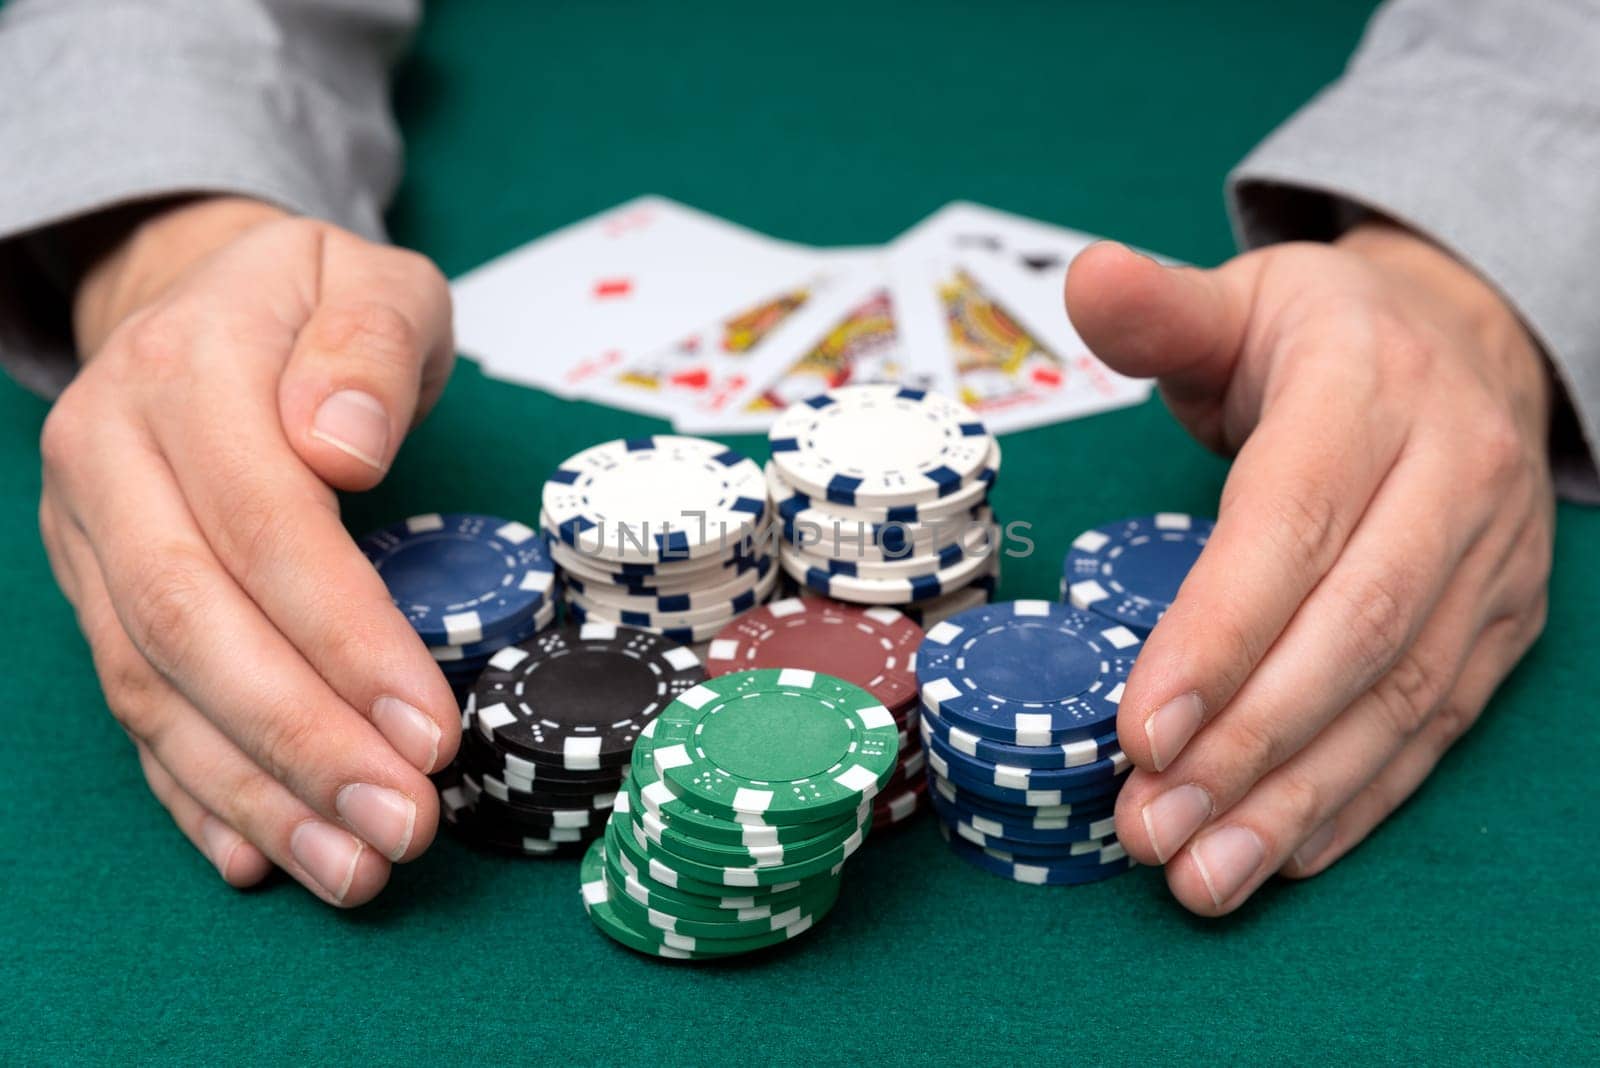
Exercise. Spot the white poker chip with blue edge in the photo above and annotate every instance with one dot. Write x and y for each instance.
(1029, 673)
(879, 445)
(655, 498)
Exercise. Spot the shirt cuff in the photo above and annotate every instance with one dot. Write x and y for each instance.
(1500, 180)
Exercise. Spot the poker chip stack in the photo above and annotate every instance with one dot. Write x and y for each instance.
(548, 730)
(882, 495)
(665, 533)
(872, 647)
(1129, 572)
(470, 585)
(745, 799)
(1019, 706)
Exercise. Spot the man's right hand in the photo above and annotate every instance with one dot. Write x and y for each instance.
(242, 366)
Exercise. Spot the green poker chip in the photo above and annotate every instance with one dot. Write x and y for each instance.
(720, 855)
(739, 876)
(667, 871)
(654, 799)
(715, 928)
(638, 885)
(785, 745)
(596, 892)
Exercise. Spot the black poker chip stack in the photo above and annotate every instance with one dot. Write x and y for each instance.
(547, 733)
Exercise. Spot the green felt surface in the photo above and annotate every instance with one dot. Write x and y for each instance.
(1463, 930)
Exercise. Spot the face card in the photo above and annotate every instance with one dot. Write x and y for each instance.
(859, 341)
(984, 290)
(701, 376)
(570, 307)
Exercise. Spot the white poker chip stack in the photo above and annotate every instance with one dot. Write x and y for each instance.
(668, 534)
(881, 494)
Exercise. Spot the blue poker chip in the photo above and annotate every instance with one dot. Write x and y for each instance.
(968, 782)
(1130, 571)
(447, 655)
(1090, 850)
(461, 578)
(1072, 754)
(1028, 673)
(1089, 868)
(1051, 817)
(1019, 832)
(1031, 780)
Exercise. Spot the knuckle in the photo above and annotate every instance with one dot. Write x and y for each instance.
(62, 436)
(1255, 749)
(155, 344)
(289, 744)
(1409, 694)
(165, 599)
(420, 270)
(370, 331)
(1308, 520)
(1451, 722)
(1380, 622)
(1300, 802)
(1499, 447)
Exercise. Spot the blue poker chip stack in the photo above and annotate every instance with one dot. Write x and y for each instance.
(1019, 708)
(882, 498)
(1129, 571)
(667, 534)
(470, 584)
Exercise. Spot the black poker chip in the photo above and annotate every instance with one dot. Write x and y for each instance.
(577, 696)
(519, 773)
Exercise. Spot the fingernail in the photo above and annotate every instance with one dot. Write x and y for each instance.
(1174, 816)
(1226, 858)
(413, 735)
(354, 422)
(385, 818)
(1315, 846)
(221, 841)
(1170, 727)
(328, 854)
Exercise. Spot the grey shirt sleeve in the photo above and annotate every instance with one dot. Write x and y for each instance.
(107, 102)
(1477, 124)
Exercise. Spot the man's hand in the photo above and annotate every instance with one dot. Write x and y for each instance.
(242, 363)
(1381, 551)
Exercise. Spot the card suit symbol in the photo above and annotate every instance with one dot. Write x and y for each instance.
(988, 242)
(1049, 377)
(697, 379)
(610, 288)
(638, 219)
(1041, 261)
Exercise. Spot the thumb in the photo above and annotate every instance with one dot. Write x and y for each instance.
(371, 359)
(1182, 325)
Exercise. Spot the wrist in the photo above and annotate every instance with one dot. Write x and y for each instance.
(1430, 278)
(136, 258)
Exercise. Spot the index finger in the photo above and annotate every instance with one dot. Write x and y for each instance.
(1293, 498)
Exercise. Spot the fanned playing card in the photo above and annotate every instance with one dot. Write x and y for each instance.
(703, 375)
(859, 341)
(577, 305)
(983, 289)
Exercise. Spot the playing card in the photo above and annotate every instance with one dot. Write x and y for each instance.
(700, 376)
(983, 289)
(570, 307)
(859, 341)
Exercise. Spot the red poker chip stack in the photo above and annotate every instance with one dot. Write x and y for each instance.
(874, 648)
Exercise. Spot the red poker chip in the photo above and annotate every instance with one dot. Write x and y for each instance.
(872, 647)
(894, 807)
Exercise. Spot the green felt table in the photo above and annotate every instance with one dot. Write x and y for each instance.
(1463, 929)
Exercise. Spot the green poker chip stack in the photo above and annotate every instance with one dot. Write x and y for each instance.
(743, 802)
